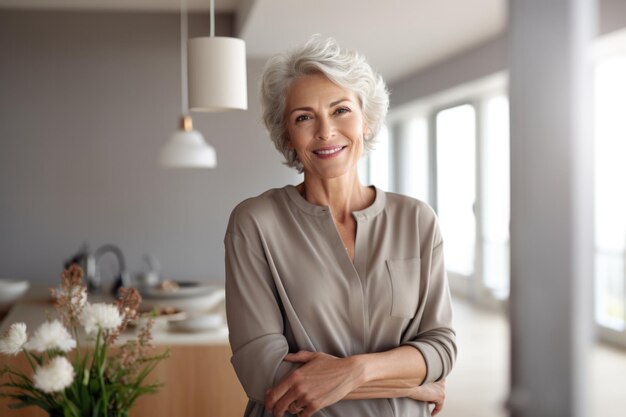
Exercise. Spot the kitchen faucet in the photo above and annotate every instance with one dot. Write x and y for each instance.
(89, 263)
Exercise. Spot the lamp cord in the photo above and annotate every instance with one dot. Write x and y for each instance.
(212, 17)
(183, 57)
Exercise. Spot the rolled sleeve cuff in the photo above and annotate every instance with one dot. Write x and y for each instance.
(259, 365)
(434, 363)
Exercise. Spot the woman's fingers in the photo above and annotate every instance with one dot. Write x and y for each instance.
(301, 356)
(282, 395)
(295, 407)
(285, 403)
(309, 411)
(273, 395)
(322, 380)
(437, 409)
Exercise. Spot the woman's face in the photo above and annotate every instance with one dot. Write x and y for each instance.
(325, 126)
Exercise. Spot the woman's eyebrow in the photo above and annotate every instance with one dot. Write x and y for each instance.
(301, 109)
(332, 104)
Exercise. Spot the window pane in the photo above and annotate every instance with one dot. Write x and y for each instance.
(456, 185)
(415, 160)
(363, 170)
(379, 166)
(610, 194)
(496, 194)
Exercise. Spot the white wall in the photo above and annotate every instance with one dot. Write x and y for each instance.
(86, 102)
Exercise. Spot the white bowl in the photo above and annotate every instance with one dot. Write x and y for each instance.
(198, 323)
(10, 291)
(202, 301)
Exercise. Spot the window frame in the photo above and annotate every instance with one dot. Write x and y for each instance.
(475, 94)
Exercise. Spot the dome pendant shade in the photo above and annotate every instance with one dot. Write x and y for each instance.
(217, 74)
(187, 149)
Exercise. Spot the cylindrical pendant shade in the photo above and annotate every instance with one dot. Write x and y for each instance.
(217, 74)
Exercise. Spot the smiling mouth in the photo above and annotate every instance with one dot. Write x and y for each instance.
(329, 152)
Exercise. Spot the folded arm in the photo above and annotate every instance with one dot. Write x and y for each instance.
(325, 379)
(275, 378)
(410, 370)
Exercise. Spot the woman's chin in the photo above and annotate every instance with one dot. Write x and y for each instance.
(328, 173)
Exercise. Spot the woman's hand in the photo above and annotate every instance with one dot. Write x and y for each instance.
(433, 393)
(322, 380)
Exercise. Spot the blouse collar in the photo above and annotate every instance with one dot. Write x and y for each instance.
(367, 213)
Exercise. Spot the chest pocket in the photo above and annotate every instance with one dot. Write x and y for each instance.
(404, 275)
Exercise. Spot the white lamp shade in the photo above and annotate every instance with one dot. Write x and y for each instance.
(217, 74)
(188, 149)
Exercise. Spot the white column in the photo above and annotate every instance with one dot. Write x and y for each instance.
(551, 206)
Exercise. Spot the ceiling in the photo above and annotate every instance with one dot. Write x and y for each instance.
(399, 37)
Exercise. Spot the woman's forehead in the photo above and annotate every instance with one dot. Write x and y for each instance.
(313, 88)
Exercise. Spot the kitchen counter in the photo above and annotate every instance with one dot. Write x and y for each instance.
(37, 306)
(199, 379)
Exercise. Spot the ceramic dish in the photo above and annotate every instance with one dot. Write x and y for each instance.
(10, 291)
(199, 302)
(198, 323)
(177, 289)
(160, 316)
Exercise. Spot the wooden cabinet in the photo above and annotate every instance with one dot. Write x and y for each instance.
(198, 377)
(199, 381)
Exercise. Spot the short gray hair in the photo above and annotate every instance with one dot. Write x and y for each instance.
(348, 69)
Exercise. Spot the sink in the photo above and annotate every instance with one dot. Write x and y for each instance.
(10, 291)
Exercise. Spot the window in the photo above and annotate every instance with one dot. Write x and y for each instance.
(610, 194)
(456, 185)
(414, 160)
(461, 168)
(379, 167)
(445, 159)
(495, 210)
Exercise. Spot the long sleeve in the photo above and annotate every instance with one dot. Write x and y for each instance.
(254, 319)
(290, 286)
(431, 331)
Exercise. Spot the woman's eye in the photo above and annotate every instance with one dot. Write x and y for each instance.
(302, 118)
(342, 110)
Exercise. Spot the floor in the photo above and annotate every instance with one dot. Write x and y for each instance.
(478, 386)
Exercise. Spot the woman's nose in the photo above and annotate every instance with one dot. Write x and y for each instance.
(324, 128)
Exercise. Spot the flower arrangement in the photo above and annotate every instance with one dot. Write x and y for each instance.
(93, 382)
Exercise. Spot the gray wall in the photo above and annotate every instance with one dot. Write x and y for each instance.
(86, 102)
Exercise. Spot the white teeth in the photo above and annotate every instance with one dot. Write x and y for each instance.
(329, 151)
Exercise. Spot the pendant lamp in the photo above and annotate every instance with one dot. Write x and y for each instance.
(186, 147)
(217, 71)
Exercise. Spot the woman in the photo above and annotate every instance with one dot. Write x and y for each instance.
(336, 293)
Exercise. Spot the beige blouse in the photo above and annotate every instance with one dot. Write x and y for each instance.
(290, 286)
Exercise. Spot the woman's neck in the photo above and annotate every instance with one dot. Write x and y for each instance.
(343, 194)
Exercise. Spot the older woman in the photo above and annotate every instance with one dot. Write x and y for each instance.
(336, 293)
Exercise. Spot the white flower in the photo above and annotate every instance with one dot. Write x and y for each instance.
(51, 335)
(100, 315)
(14, 339)
(57, 375)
